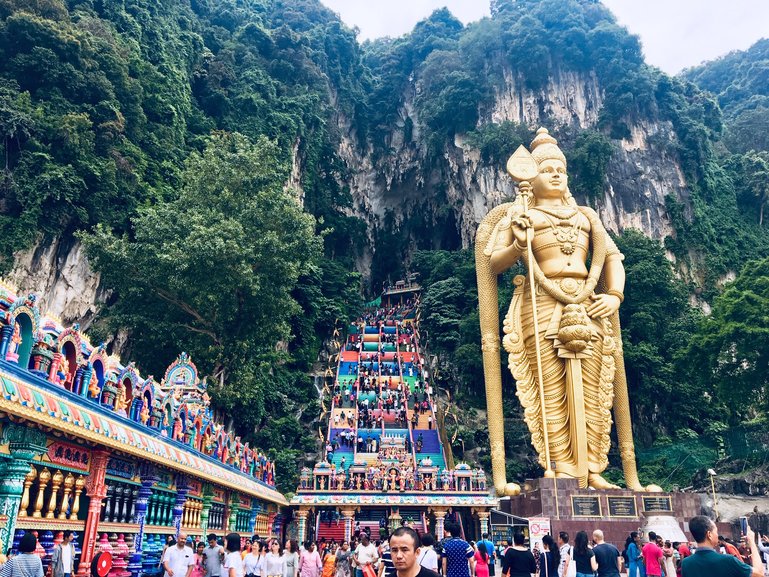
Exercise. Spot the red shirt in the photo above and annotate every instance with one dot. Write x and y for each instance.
(732, 550)
(652, 555)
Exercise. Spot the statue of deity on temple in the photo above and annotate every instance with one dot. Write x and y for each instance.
(563, 338)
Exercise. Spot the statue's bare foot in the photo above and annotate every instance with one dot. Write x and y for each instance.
(595, 481)
(511, 490)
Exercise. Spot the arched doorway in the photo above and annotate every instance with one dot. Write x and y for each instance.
(25, 333)
(68, 352)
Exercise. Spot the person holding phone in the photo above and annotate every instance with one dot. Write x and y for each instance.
(707, 562)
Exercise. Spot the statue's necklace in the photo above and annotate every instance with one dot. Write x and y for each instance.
(565, 232)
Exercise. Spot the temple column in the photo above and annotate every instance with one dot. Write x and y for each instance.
(271, 522)
(54, 367)
(440, 517)
(96, 489)
(232, 519)
(348, 515)
(149, 477)
(255, 508)
(483, 518)
(24, 444)
(208, 497)
(181, 498)
(5, 339)
(301, 515)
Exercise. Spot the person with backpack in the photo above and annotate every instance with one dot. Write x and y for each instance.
(566, 566)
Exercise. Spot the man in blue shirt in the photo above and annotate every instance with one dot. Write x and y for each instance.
(457, 555)
(708, 562)
(491, 550)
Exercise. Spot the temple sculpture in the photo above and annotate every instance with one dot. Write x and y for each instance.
(563, 339)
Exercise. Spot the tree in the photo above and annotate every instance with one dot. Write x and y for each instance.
(212, 272)
(730, 350)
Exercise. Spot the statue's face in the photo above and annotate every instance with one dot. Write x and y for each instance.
(552, 181)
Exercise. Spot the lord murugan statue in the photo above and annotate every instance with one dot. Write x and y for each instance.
(563, 339)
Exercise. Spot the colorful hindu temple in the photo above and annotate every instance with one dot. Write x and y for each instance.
(89, 444)
(383, 461)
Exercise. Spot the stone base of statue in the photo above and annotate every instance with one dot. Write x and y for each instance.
(616, 512)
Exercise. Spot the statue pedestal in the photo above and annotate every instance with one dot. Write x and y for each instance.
(616, 512)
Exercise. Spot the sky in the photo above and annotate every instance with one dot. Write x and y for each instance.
(676, 34)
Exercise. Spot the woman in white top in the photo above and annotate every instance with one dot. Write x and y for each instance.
(253, 560)
(428, 558)
(233, 563)
(274, 564)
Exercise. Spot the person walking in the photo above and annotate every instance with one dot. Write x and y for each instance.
(669, 559)
(252, 560)
(583, 557)
(491, 550)
(274, 563)
(179, 560)
(365, 554)
(482, 560)
(63, 556)
(565, 551)
(213, 556)
(518, 561)
(456, 553)
(551, 558)
(607, 556)
(343, 557)
(652, 554)
(329, 561)
(428, 558)
(233, 562)
(291, 556)
(199, 568)
(635, 562)
(26, 563)
(309, 562)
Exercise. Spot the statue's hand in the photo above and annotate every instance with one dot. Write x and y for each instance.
(603, 306)
(519, 226)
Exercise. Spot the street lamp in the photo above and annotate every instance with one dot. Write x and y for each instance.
(712, 474)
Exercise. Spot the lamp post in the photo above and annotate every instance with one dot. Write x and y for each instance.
(712, 474)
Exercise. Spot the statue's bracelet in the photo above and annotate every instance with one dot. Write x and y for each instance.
(517, 246)
(617, 294)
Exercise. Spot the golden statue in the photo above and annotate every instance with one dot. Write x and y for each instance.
(564, 341)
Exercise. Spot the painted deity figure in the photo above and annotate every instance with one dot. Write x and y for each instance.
(564, 342)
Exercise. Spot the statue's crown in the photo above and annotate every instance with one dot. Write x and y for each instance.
(545, 147)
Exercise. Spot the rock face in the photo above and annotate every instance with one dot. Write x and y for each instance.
(403, 181)
(60, 274)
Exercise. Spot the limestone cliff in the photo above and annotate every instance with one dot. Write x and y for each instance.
(404, 180)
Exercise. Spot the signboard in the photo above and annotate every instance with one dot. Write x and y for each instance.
(622, 507)
(538, 528)
(585, 506)
(657, 504)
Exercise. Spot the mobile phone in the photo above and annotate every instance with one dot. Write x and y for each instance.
(744, 525)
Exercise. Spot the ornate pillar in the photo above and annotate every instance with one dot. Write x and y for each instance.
(96, 489)
(440, 517)
(5, 339)
(24, 443)
(181, 498)
(483, 518)
(255, 508)
(301, 515)
(348, 515)
(69, 483)
(232, 519)
(205, 511)
(149, 477)
(54, 367)
(271, 522)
